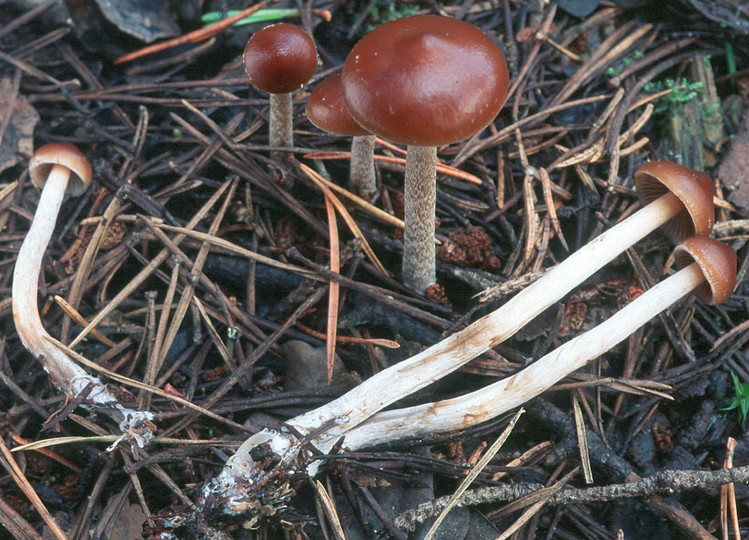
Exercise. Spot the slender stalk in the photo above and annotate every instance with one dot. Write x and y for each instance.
(363, 180)
(420, 199)
(65, 373)
(432, 364)
(281, 128)
(504, 395)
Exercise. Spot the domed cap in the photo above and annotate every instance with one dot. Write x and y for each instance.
(693, 188)
(718, 264)
(280, 58)
(326, 109)
(67, 155)
(425, 80)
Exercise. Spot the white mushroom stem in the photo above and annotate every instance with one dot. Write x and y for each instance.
(504, 395)
(65, 373)
(420, 198)
(281, 125)
(363, 180)
(343, 414)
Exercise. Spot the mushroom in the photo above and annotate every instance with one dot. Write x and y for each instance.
(424, 81)
(708, 267)
(279, 59)
(684, 188)
(59, 169)
(326, 109)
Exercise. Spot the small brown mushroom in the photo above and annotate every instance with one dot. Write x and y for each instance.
(708, 267)
(327, 110)
(280, 59)
(59, 169)
(424, 81)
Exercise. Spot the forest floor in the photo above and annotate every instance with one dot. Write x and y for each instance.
(211, 274)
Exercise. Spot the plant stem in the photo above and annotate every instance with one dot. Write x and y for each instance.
(504, 395)
(420, 199)
(281, 128)
(363, 179)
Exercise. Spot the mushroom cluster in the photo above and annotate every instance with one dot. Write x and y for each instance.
(679, 199)
(423, 81)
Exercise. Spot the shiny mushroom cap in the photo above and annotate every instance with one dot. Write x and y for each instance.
(693, 188)
(718, 264)
(280, 58)
(425, 80)
(67, 155)
(327, 110)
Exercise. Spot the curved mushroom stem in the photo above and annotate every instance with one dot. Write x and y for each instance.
(325, 425)
(432, 364)
(363, 180)
(65, 373)
(281, 128)
(420, 201)
(506, 394)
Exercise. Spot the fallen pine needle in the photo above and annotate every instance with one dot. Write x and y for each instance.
(441, 167)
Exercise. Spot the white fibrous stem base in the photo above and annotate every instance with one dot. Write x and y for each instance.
(400, 380)
(504, 395)
(420, 199)
(363, 179)
(66, 374)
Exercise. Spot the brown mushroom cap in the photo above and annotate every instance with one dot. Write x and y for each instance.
(425, 80)
(67, 155)
(693, 188)
(718, 264)
(280, 58)
(326, 109)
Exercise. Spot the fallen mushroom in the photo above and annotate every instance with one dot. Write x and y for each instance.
(707, 267)
(279, 59)
(326, 109)
(59, 169)
(424, 81)
(680, 189)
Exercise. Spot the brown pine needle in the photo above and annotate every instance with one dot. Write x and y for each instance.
(191, 37)
(334, 287)
(54, 456)
(71, 312)
(441, 167)
(320, 182)
(25, 486)
(378, 342)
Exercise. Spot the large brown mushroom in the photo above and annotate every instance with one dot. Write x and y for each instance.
(280, 59)
(424, 81)
(60, 169)
(326, 109)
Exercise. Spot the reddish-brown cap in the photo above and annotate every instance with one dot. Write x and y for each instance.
(280, 58)
(718, 264)
(67, 155)
(693, 188)
(326, 109)
(425, 80)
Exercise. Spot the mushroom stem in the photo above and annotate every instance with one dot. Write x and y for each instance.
(497, 398)
(432, 364)
(281, 129)
(65, 373)
(363, 180)
(420, 201)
